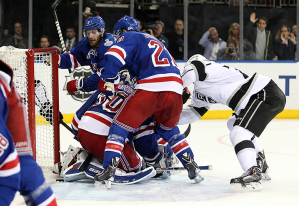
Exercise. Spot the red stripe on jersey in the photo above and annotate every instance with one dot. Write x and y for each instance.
(75, 61)
(100, 119)
(53, 203)
(11, 164)
(118, 51)
(5, 88)
(161, 79)
(114, 146)
(148, 128)
(75, 123)
(180, 146)
(161, 141)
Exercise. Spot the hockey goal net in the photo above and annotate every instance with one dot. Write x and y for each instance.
(36, 79)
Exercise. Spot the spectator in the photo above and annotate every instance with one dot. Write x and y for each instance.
(248, 51)
(285, 44)
(87, 13)
(140, 25)
(17, 39)
(233, 33)
(44, 42)
(211, 42)
(70, 41)
(158, 33)
(230, 52)
(294, 30)
(260, 38)
(176, 40)
(3, 37)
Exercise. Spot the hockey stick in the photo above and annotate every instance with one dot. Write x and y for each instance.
(187, 132)
(208, 167)
(54, 5)
(69, 129)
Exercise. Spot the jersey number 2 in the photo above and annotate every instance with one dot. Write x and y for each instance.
(156, 55)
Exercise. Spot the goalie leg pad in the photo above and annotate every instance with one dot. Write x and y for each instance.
(95, 144)
(121, 177)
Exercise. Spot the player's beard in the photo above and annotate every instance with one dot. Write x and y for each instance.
(97, 42)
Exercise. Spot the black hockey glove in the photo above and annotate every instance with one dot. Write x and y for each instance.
(185, 95)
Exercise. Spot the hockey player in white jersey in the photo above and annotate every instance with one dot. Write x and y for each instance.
(255, 99)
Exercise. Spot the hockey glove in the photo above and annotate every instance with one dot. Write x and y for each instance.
(186, 95)
(107, 88)
(74, 85)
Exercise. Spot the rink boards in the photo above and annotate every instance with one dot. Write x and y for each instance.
(284, 73)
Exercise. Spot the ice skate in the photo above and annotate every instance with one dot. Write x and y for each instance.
(261, 162)
(158, 162)
(107, 176)
(173, 161)
(249, 180)
(192, 168)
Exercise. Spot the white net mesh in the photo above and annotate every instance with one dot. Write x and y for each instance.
(17, 59)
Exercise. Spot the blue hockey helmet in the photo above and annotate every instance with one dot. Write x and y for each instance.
(127, 22)
(95, 22)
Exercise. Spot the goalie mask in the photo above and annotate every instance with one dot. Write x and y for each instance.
(126, 22)
(94, 23)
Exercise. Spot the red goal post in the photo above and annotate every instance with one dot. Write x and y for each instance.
(36, 79)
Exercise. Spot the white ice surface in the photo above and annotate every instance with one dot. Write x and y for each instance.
(209, 140)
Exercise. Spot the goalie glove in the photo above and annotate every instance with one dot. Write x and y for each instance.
(107, 88)
(75, 85)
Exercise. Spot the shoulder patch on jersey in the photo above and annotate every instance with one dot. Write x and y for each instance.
(120, 39)
(200, 70)
(108, 43)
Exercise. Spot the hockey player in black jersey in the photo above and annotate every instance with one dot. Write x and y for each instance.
(255, 99)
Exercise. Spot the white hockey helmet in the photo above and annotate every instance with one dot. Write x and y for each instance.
(196, 57)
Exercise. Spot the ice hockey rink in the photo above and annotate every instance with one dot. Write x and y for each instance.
(210, 142)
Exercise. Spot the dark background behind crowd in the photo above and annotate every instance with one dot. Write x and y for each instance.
(201, 17)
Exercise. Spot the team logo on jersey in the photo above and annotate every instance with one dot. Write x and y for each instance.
(86, 72)
(108, 43)
(91, 52)
(204, 98)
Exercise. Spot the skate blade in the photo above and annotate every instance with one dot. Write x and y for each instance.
(266, 176)
(165, 175)
(251, 186)
(198, 179)
(106, 184)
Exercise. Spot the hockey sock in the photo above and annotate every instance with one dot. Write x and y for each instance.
(176, 141)
(164, 143)
(244, 148)
(114, 144)
(179, 146)
(256, 145)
